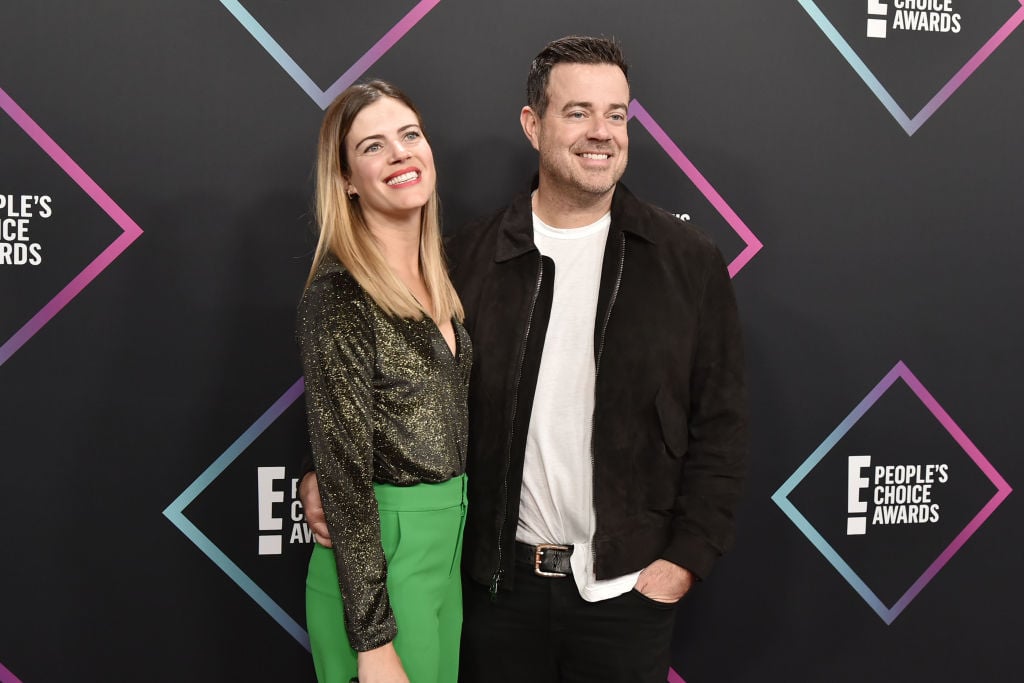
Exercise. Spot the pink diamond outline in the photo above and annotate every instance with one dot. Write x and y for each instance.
(6, 676)
(130, 230)
(1003, 489)
(324, 97)
(753, 244)
(911, 125)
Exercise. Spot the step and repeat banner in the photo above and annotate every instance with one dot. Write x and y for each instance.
(860, 163)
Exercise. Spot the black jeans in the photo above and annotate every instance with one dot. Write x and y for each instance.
(544, 632)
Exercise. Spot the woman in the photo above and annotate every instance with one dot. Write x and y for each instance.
(387, 364)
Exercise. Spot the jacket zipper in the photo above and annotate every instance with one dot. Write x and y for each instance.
(597, 368)
(498, 572)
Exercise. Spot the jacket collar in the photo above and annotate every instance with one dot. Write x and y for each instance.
(515, 232)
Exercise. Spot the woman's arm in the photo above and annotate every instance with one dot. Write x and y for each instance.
(336, 337)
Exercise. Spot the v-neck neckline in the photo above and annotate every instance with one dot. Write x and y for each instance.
(452, 353)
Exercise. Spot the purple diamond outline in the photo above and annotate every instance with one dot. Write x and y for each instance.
(1003, 489)
(6, 676)
(911, 125)
(324, 97)
(753, 244)
(130, 231)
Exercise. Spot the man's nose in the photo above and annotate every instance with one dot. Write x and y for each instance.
(599, 129)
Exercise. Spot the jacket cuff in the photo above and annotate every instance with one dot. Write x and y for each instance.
(692, 553)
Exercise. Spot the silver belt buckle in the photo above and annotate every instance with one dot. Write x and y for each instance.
(538, 556)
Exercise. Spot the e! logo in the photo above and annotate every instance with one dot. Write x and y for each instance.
(876, 26)
(267, 495)
(857, 526)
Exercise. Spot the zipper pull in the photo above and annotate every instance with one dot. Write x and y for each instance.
(495, 580)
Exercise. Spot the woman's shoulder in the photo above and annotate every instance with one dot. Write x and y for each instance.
(332, 277)
(332, 292)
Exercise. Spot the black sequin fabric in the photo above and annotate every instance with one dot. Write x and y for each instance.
(385, 402)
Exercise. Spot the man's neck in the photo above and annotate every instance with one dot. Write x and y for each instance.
(561, 210)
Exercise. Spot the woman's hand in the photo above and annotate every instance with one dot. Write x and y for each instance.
(381, 665)
(314, 509)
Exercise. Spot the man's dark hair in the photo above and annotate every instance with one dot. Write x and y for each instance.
(569, 50)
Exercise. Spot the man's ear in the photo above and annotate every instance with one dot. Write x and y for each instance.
(529, 120)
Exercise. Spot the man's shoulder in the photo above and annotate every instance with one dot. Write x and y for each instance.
(664, 227)
(476, 230)
(480, 237)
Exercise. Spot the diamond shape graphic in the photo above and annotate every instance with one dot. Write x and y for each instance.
(130, 230)
(908, 123)
(781, 497)
(753, 245)
(6, 676)
(324, 97)
(673, 677)
(175, 512)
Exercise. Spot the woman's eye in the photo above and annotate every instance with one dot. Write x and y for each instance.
(412, 135)
(371, 148)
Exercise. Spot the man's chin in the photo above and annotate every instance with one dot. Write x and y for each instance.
(597, 183)
(596, 189)
(581, 184)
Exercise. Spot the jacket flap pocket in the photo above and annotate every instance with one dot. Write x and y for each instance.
(672, 417)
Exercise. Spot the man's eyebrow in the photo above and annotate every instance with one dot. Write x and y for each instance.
(577, 104)
(590, 105)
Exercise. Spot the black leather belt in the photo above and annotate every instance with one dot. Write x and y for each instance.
(547, 559)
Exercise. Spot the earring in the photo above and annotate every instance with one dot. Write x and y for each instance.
(352, 194)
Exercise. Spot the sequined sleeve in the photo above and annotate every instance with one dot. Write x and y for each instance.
(336, 337)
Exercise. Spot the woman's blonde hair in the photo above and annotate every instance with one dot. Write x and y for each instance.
(344, 233)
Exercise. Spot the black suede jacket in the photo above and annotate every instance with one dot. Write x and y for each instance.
(670, 421)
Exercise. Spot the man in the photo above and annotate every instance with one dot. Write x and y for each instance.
(607, 404)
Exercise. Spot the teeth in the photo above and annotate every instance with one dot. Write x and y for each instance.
(588, 155)
(404, 178)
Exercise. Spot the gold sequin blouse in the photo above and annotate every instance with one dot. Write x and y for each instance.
(385, 402)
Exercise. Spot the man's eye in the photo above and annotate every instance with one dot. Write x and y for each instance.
(618, 117)
(576, 115)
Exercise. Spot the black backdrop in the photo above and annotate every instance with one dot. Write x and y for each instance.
(149, 421)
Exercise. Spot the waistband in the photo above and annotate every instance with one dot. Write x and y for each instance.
(421, 497)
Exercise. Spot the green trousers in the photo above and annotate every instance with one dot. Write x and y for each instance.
(424, 585)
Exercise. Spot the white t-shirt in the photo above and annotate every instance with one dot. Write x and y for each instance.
(556, 504)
